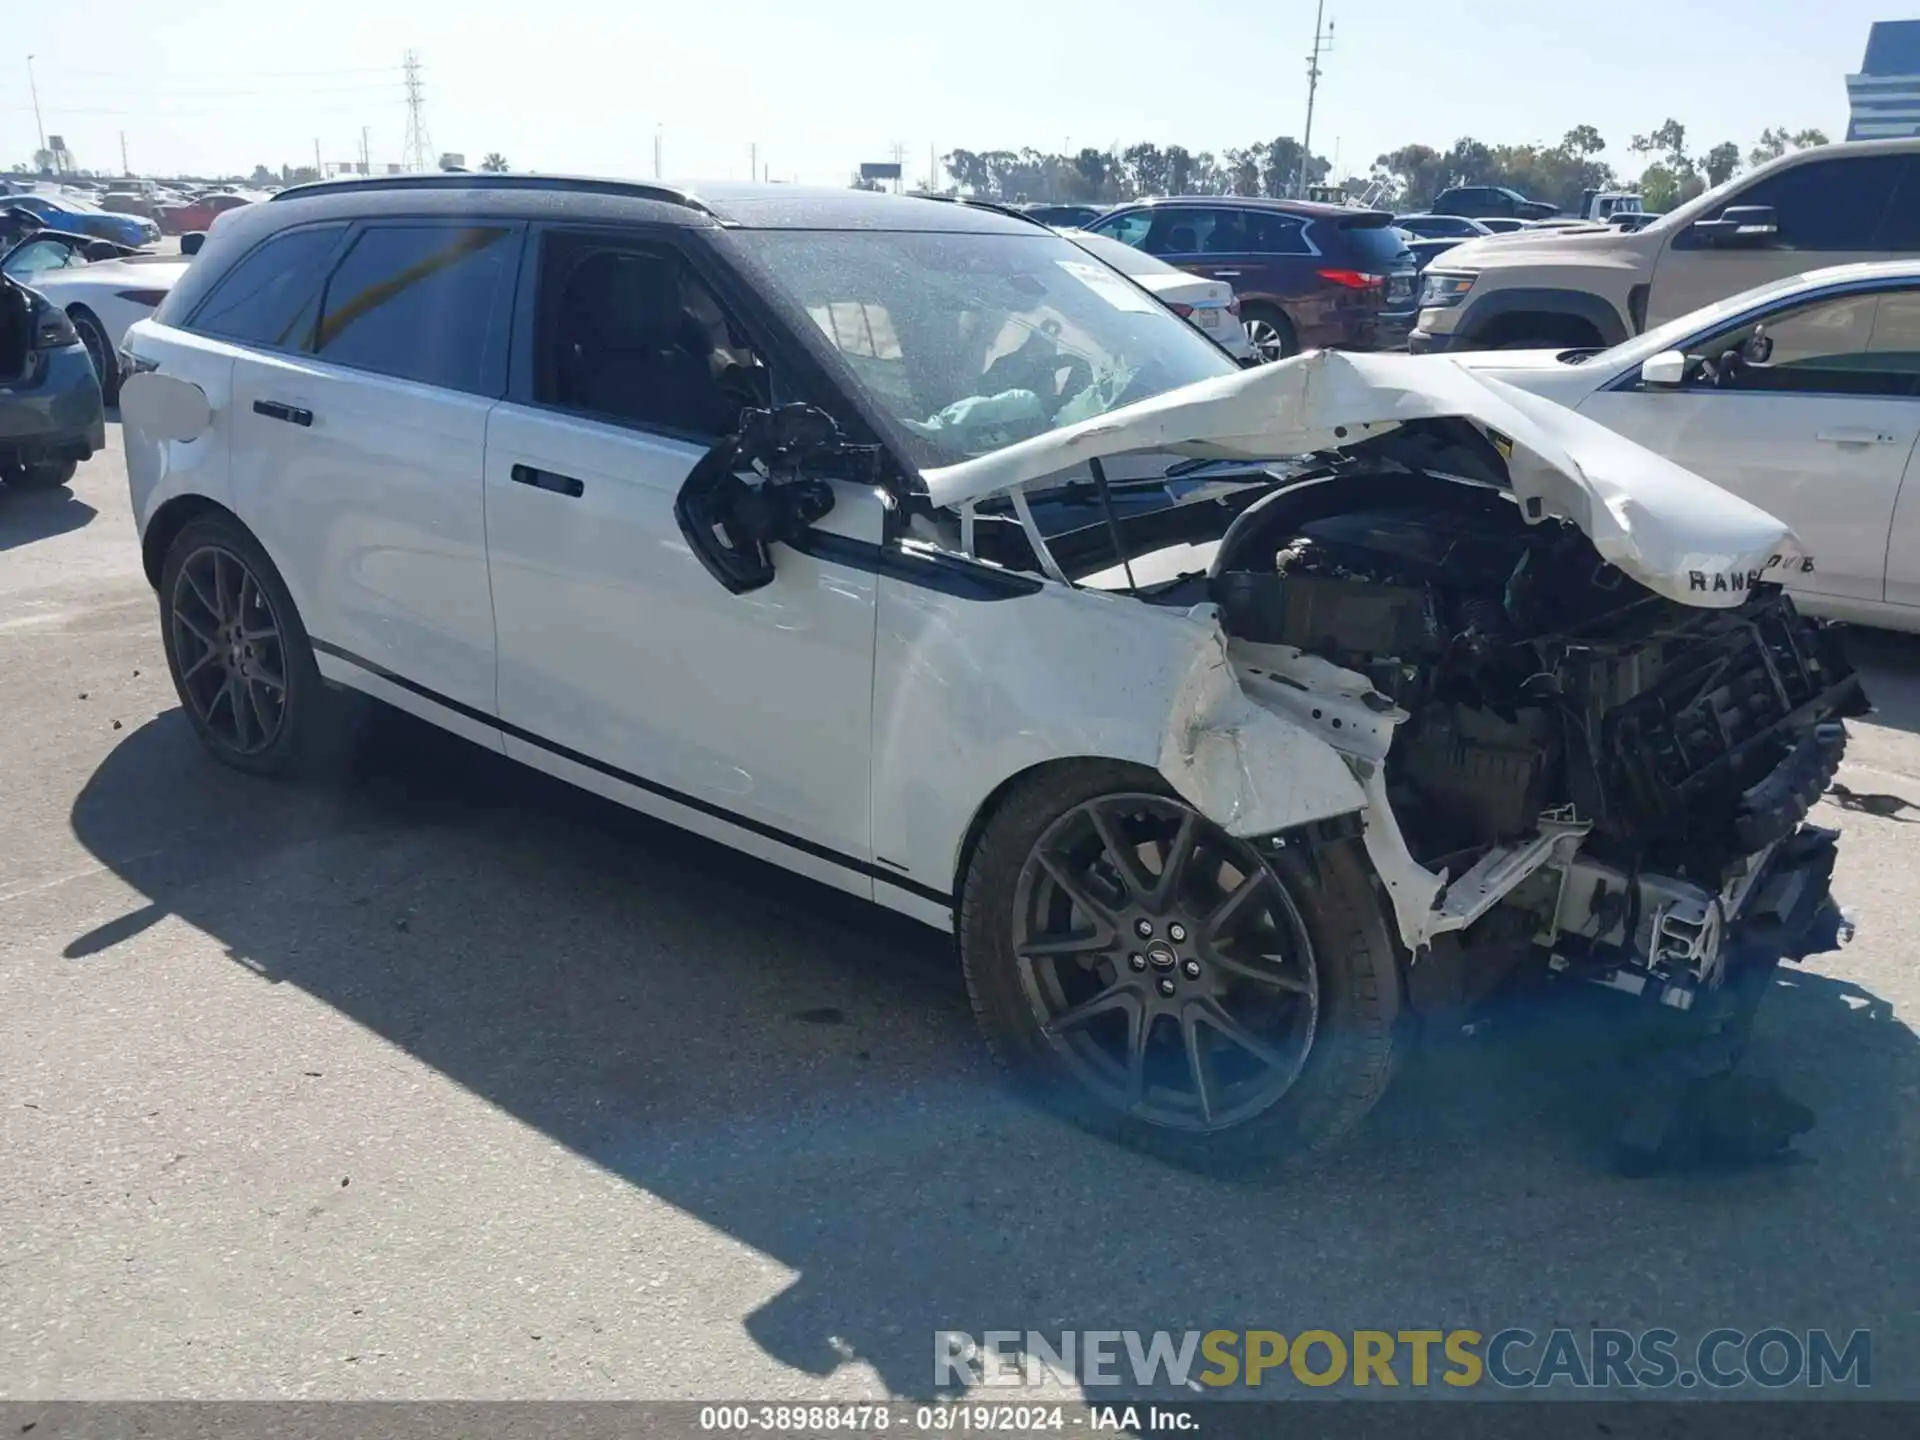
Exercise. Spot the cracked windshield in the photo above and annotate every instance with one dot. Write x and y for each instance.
(1073, 719)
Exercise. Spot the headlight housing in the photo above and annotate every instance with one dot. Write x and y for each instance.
(1439, 290)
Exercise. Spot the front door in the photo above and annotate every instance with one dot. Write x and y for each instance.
(624, 666)
(1830, 211)
(1819, 433)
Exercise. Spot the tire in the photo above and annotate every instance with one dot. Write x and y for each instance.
(41, 474)
(105, 367)
(1350, 984)
(305, 723)
(1269, 332)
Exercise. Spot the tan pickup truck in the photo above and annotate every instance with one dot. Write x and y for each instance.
(1532, 290)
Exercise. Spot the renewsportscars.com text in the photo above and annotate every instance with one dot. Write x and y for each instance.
(1514, 1358)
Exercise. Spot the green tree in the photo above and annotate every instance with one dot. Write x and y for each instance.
(1777, 141)
(1721, 162)
(495, 162)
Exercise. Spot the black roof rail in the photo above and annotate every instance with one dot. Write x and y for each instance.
(465, 180)
(999, 207)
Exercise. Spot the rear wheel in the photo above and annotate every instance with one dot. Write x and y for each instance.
(1157, 980)
(40, 475)
(1269, 332)
(240, 658)
(94, 336)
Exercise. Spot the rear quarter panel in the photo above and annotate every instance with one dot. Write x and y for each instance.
(162, 470)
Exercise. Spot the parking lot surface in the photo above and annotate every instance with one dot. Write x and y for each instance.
(446, 1081)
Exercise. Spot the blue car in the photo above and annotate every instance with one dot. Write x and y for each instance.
(65, 212)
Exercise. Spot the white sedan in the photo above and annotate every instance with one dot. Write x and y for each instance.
(1207, 305)
(1802, 396)
(102, 297)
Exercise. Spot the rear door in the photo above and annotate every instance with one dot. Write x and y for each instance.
(1820, 435)
(359, 448)
(624, 666)
(1830, 212)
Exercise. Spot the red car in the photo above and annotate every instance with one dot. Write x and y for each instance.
(196, 214)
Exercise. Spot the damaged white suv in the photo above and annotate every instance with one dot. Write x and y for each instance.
(1228, 717)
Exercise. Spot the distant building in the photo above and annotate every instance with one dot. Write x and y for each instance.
(1884, 98)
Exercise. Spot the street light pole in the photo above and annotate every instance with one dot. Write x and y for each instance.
(1322, 42)
(34, 90)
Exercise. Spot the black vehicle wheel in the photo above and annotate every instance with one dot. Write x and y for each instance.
(1157, 980)
(40, 475)
(1269, 333)
(106, 366)
(239, 655)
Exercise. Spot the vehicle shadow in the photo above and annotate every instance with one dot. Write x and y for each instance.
(800, 1071)
(1889, 662)
(30, 515)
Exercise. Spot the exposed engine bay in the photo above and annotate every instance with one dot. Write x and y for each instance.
(1561, 765)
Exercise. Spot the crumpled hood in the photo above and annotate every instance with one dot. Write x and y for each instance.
(1679, 535)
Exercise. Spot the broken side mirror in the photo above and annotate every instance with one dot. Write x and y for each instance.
(1667, 368)
(732, 522)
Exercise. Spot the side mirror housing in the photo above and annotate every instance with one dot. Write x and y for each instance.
(1667, 368)
(1740, 225)
(191, 242)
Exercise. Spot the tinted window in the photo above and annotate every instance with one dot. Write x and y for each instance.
(268, 298)
(634, 336)
(421, 302)
(1900, 226)
(1223, 231)
(1832, 204)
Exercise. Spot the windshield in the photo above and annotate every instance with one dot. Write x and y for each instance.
(968, 343)
(1121, 256)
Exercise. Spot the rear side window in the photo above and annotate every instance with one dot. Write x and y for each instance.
(1832, 204)
(422, 302)
(1365, 247)
(268, 298)
(1900, 226)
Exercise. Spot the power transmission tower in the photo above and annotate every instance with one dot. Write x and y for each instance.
(1322, 44)
(417, 152)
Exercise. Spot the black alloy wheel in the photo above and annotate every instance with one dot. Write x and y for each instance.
(230, 649)
(1165, 963)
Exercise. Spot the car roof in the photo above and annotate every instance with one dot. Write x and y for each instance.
(1244, 202)
(705, 204)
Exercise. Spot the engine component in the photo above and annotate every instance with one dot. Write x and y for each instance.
(1486, 774)
(1330, 617)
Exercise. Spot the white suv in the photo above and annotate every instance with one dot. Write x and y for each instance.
(1583, 288)
(854, 531)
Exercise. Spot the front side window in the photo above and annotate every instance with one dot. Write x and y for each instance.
(1832, 204)
(421, 302)
(1130, 229)
(1861, 344)
(268, 298)
(630, 334)
(965, 343)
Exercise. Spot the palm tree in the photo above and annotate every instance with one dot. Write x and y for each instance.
(494, 161)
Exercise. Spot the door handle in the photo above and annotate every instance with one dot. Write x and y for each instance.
(279, 410)
(1852, 435)
(547, 480)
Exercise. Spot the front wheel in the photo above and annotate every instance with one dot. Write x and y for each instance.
(1162, 982)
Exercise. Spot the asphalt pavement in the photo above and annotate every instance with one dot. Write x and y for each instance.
(447, 1081)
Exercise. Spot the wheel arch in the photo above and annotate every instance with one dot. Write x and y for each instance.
(1506, 309)
(170, 519)
(996, 800)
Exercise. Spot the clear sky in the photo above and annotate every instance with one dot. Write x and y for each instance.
(819, 85)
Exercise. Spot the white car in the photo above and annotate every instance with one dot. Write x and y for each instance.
(1229, 716)
(1207, 305)
(1802, 396)
(101, 297)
